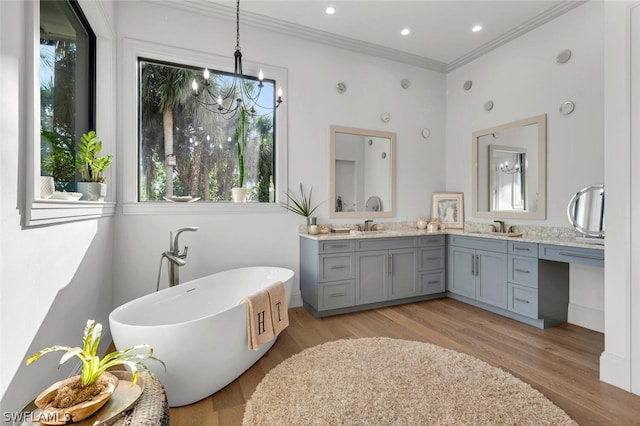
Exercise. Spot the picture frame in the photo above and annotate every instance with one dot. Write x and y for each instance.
(448, 207)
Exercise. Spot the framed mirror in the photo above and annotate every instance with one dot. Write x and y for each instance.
(586, 211)
(509, 170)
(362, 173)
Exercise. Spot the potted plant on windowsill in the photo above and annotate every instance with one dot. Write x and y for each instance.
(78, 397)
(301, 205)
(239, 193)
(91, 167)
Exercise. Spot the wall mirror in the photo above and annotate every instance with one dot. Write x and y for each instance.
(509, 170)
(362, 173)
(586, 211)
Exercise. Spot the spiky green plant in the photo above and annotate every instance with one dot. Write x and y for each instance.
(92, 365)
(88, 163)
(300, 204)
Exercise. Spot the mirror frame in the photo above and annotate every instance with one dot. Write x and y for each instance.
(332, 172)
(571, 208)
(541, 211)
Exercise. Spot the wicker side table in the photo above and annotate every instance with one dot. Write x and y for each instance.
(152, 408)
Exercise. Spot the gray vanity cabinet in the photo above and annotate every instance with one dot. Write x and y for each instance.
(478, 269)
(339, 276)
(385, 274)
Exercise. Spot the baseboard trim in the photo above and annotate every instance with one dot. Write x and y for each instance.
(586, 317)
(615, 370)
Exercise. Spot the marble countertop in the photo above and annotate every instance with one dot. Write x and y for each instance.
(560, 239)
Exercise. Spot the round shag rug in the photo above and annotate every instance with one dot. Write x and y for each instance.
(383, 381)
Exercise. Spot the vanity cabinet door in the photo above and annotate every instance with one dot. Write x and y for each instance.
(371, 278)
(402, 273)
(461, 278)
(491, 274)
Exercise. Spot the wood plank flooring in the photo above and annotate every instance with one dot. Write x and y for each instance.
(561, 362)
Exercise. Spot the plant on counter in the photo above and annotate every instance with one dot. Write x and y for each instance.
(300, 205)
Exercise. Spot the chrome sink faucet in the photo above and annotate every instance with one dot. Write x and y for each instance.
(368, 225)
(176, 259)
(498, 226)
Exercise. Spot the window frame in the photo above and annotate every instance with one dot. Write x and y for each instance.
(46, 211)
(132, 50)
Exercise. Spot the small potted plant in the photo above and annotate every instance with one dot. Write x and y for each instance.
(91, 167)
(301, 205)
(239, 193)
(78, 397)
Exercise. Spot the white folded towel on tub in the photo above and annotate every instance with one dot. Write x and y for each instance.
(259, 320)
(279, 308)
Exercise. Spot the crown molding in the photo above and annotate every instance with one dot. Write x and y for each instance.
(206, 7)
(531, 24)
(219, 11)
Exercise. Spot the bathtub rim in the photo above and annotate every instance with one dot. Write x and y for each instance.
(127, 305)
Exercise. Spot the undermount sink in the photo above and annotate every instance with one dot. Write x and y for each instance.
(377, 232)
(498, 234)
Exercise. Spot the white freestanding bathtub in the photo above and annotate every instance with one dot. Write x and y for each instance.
(199, 330)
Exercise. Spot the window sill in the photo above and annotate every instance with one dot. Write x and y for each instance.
(165, 207)
(45, 212)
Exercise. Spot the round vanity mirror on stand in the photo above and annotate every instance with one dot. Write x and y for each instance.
(586, 213)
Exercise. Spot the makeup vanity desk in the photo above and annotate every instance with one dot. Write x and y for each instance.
(523, 278)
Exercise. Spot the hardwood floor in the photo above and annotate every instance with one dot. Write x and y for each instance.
(561, 362)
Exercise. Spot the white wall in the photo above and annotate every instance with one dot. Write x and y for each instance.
(373, 86)
(523, 79)
(52, 278)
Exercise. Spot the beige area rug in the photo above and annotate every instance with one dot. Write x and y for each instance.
(383, 381)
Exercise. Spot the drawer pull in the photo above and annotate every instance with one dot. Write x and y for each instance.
(433, 258)
(581, 256)
(522, 271)
(433, 282)
(521, 300)
(333, 246)
(337, 294)
(339, 267)
(521, 248)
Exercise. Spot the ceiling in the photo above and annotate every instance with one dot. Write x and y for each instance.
(440, 38)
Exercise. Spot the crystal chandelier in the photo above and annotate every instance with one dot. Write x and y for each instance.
(506, 168)
(242, 94)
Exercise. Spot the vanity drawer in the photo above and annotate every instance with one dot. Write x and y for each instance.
(523, 270)
(431, 282)
(430, 258)
(385, 243)
(520, 248)
(523, 300)
(431, 240)
(480, 243)
(340, 246)
(336, 267)
(337, 295)
(567, 254)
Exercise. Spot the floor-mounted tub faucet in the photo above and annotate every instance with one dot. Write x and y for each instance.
(175, 258)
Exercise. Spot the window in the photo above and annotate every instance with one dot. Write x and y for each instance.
(186, 150)
(67, 94)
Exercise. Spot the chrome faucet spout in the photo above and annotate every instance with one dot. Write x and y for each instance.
(174, 247)
(367, 225)
(499, 226)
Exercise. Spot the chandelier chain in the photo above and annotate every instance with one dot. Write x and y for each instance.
(238, 25)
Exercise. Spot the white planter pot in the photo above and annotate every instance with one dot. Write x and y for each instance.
(239, 195)
(92, 191)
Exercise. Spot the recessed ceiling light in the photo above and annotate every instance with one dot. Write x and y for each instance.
(330, 10)
(476, 28)
(405, 31)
